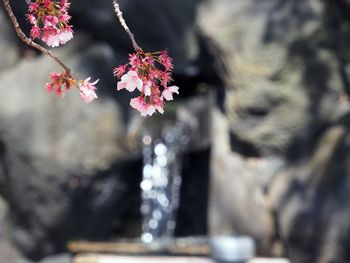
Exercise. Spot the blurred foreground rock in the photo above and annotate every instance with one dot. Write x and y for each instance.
(62, 161)
(312, 200)
(284, 72)
(6, 251)
(8, 44)
(284, 180)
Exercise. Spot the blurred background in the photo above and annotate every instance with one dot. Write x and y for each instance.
(264, 90)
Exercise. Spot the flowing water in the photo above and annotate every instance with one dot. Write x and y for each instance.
(160, 187)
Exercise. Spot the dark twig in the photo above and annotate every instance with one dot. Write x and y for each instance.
(124, 25)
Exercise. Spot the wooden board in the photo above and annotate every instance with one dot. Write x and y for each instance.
(124, 259)
(98, 258)
(181, 247)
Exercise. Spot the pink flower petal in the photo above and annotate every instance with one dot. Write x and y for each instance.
(140, 105)
(168, 92)
(121, 85)
(87, 90)
(131, 81)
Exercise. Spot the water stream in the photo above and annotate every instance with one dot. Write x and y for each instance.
(160, 187)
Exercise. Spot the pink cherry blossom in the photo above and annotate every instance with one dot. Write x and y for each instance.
(87, 90)
(147, 88)
(33, 7)
(166, 60)
(150, 73)
(60, 82)
(65, 35)
(49, 19)
(52, 39)
(134, 60)
(119, 71)
(159, 104)
(168, 92)
(64, 17)
(130, 81)
(32, 19)
(35, 32)
(144, 108)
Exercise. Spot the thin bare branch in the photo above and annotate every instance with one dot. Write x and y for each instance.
(124, 25)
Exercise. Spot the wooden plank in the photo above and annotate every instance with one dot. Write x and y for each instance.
(269, 260)
(179, 248)
(98, 258)
(95, 258)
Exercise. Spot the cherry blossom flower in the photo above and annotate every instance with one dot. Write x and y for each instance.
(147, 88)
(150, 74)
(130, 81)
(158, 103)
(62, 82)
(51, 39)
(35, 32)
(33, 7)
(50, 21)
(119, 71)
(168, 92)
(87, 90)
(66, 35)
(166, 60)
(142, 106)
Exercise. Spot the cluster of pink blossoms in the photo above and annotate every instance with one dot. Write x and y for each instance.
(50, 21)
(62, 82)
(150, 74)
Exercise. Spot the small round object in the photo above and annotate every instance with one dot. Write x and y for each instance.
(232, 249)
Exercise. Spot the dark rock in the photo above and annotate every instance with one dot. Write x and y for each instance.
(62, 258)
(65, 168)
(288, 77)
(237, 204)
(192, 217)
(8, 48)
(285, 77)
(6, 252)
(312, 204)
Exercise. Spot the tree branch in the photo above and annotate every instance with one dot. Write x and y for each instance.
(29, 41)
(124, 25)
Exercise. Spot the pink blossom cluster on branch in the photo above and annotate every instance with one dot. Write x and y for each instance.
(62, 82)
(150, 74)
(50, 21)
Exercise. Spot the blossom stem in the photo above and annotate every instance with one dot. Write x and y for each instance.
(28, 40)
(119, 14)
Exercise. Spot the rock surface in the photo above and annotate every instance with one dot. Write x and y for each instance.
(312, 201)
(280, 155)
(63, 161)
(287, 71)
(8, 44)
(6, 252)
(285, 79)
